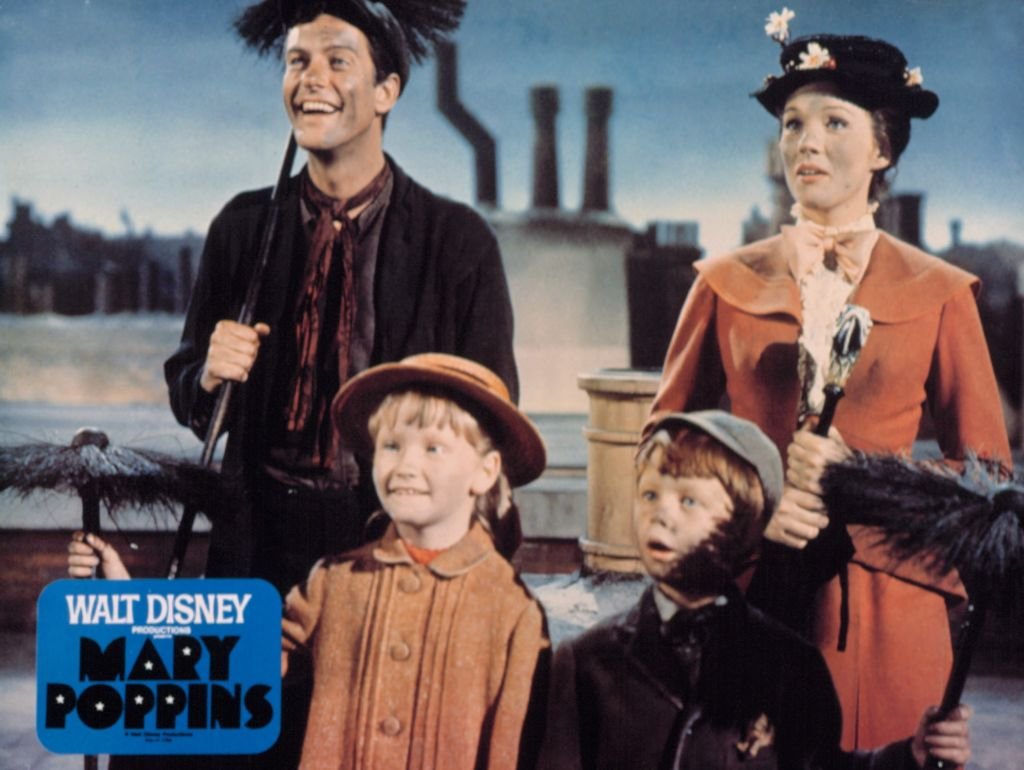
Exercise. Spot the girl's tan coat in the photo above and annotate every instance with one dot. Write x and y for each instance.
(417, 666)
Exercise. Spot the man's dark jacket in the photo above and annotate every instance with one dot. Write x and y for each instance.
(620, 697)
(439, 286)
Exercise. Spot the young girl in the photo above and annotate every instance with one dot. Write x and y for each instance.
(424, 644)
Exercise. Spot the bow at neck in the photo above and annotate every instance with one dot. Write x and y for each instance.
(846, 248)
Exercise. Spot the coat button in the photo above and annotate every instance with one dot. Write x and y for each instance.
(390, 726)
(400, 651)
(409, 584)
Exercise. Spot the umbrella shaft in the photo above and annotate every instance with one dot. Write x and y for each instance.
(833, 393)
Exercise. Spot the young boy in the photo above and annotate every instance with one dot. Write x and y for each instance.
(692, 677)
(424, 644)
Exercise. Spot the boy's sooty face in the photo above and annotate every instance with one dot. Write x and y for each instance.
(674, 516)
(428, 478)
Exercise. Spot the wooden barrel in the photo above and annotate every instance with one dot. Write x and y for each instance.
(620, 400)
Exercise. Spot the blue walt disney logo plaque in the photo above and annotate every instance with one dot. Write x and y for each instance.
(158, 666)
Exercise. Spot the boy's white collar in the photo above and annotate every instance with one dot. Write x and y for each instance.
(668, 607)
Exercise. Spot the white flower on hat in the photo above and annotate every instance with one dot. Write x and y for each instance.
(777, 27)
(815, 58)
(913, 77)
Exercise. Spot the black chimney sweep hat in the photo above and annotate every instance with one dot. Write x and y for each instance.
(399, 31)
(870, 73)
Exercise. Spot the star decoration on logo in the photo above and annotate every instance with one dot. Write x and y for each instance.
(138, 700)
(148, 665)
(186, 651)
(169, 699)
(59, 699)
(100, 706)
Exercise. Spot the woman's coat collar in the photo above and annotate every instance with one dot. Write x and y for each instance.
(901, 282)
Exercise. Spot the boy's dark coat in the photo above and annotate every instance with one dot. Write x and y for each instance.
(618, 699)
(439, 286)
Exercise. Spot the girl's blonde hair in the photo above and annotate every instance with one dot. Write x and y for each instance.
(428, 407)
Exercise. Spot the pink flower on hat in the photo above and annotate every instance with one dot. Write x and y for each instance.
(816, 58)
(777, 27)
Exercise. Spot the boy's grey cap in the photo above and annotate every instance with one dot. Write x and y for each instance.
(741, 436)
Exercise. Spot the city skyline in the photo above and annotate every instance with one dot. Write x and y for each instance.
(157, 110)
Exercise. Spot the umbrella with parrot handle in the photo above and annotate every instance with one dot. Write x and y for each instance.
(787, 578)
(852, 329)
(828, 554)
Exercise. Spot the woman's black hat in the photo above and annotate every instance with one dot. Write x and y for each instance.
(870, 73)
(399, 31)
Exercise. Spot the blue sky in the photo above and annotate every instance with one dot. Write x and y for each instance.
(153, 107)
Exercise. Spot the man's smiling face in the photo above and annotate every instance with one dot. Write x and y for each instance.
(330, 88)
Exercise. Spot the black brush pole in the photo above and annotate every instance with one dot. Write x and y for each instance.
(91, 524)
(90, 509)
(90, 493)
(245, 316)
(966, 643)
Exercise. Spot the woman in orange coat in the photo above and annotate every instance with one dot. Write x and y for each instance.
(757, 326)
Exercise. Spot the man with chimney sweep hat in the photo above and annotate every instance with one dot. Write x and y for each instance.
(366, 266)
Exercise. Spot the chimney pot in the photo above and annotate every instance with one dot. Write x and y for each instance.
(598, 106)
(544, 103)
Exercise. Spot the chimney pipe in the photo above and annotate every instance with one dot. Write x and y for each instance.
(955, 228)
(901, 215)
(484, 147)
(544, 101)
(595, 172)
